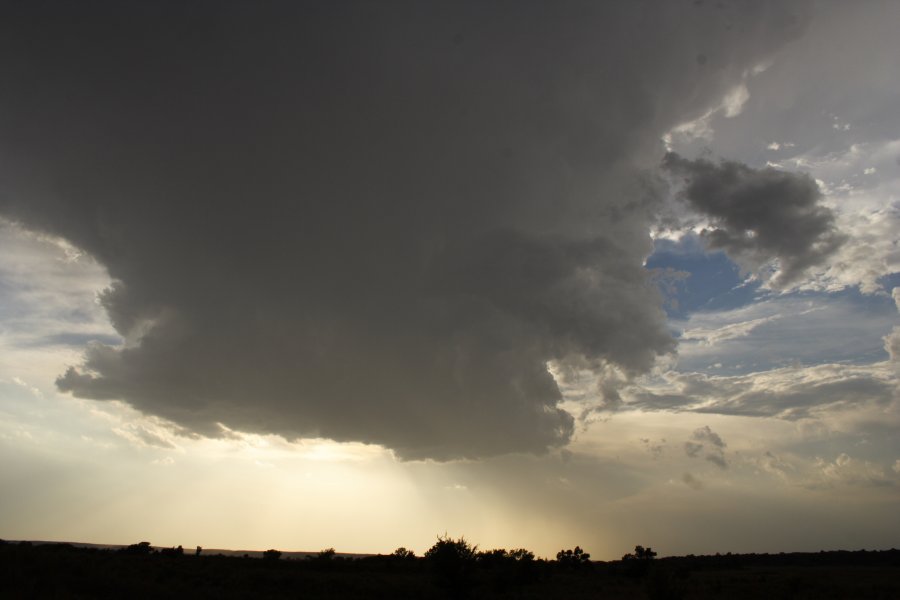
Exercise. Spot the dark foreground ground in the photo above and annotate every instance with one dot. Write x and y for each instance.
(64, 571)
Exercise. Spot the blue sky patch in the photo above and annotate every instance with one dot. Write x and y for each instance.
(696, 280)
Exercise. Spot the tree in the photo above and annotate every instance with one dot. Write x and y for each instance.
(447, 547)
(451, 560)
(521, 555)
(492, 558)
(640, 553)
(179, 551)
(573, 558)
(272, 554)
(141, 548)
(639, 560)
(326, 554)
(500, 556)
(403, 553)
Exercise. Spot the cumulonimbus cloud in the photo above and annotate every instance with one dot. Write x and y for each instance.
(363, 221)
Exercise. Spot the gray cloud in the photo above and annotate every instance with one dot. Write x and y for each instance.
(717, 458)
(693, 449)
(692, 482)
(706, 443)
(142, 436)
(370, 222)
(760, 215)
(655, 449)
(708, 436)
(774, 464)
(798, 403)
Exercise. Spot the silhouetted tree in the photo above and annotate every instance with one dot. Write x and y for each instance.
(492, 558)
(451, 561)
(403, 553)
(525, 568)
(573, 558)
(326, 554)
(179, 551)
(640, 553)
(141, 548)
(521, 555)
(507, 567)
(198, 551)
(639, 561)
(272, 554)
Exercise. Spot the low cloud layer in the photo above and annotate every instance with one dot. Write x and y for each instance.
(760, 216)
(370, 222)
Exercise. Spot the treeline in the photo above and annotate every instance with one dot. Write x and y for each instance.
(451, 568)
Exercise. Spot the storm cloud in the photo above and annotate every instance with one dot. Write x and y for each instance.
(760, 215)
(373, 222)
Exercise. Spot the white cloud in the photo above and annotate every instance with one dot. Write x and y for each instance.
(734, 101)
(779, 330)
(780, 146)
(700, 128)
(775, 465)
(846, 471)
(35, 391)
(146, 435)
(713, 336)
(892, 340)
(789, 393)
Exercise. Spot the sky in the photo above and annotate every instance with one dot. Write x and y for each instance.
(540, 274)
